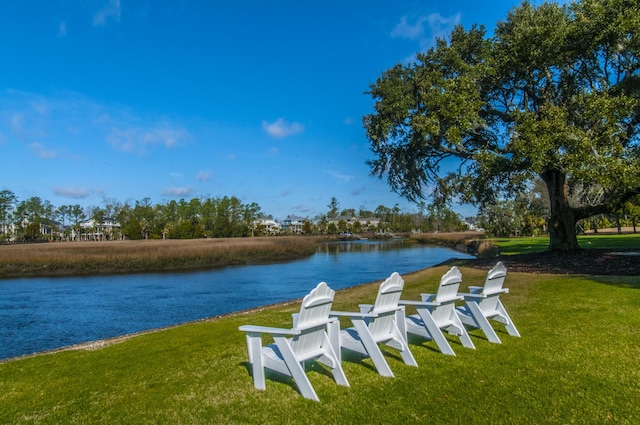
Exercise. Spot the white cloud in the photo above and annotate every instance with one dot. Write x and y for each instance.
(69, 121)
(282, 128)
(71, 192)
(123, 140)
(110, 10)
(62, 29)
(166, 136)
(177, 191)
(340, 176)
(136, 139)
(41, 106)
(39, 150)
(203, 176)
(426, 29)
(406, 30)
(17, 122)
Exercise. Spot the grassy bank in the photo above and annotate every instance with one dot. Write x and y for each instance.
(575, 363)
(525, 245)
(73, 258)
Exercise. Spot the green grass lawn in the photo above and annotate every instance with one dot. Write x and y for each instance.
(526, 245)
(576, 362)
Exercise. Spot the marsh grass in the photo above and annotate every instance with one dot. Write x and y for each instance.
(72, 258)
(576, 362)
(449, 239)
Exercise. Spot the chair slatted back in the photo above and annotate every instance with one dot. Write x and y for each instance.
(493, 286)
(447, 295)
(312, 320)
(386, 305)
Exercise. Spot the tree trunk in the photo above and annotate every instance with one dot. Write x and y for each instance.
(562, 222)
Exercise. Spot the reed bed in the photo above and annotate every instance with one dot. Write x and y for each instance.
(73, 258)
(447, 238)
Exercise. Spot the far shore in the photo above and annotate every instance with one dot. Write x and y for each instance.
(148, 256)
(145, 256)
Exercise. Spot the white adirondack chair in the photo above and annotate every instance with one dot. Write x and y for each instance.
(307, 340)
(382, 322)
(437, 312)
(482, 304)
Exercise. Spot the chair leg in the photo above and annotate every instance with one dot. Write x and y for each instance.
(297, 371)
(372, 348)
(332, 360)
(333, 332)
(254, 347)
(463, 335)
(405, 352)
(401, 322)
(511, 328)
(482, 321)
(435, 332)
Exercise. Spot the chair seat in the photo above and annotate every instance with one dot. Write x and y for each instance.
(350, 336)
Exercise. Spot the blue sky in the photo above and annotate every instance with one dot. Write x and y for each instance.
(262, 100)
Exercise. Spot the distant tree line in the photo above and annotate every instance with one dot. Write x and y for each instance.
(526, 214)
(35, 219)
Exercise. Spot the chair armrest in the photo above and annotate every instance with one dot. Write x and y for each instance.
(366, 308)
(483, 295)
(428, 297)
(475, 289)
(418, 303)
(351, 314)
(267, 329)
(472, 296)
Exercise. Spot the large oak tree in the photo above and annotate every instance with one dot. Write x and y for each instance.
(553, 93)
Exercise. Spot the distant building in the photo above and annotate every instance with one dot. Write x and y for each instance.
(92, 231)
(269, 226)
(293, 224)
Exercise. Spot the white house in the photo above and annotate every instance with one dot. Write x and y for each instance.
(91, 231)
(270, 226)
(293, 224)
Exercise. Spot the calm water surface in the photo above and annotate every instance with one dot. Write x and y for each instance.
(40, 314)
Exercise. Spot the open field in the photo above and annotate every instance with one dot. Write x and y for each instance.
(73, 258)
(576, 362)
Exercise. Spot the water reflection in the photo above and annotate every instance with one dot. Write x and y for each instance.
(363, 246)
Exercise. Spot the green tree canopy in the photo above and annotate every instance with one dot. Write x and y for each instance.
(554, 94)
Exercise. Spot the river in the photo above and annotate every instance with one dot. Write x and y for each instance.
(38, 314)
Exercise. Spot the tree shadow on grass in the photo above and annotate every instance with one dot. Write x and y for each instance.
(629, 282)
